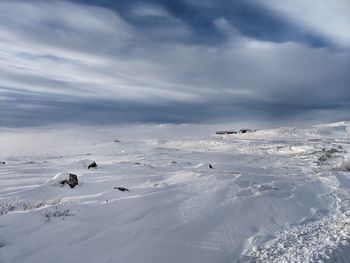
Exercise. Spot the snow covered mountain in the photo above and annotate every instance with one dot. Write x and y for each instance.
(279, 195)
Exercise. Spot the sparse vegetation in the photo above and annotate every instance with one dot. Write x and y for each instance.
(344, 166)
(326, 154)
(7, 206)
(57, 212)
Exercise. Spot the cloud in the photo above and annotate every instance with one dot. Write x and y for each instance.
(151, 10)
(329, 18)
(62, 61)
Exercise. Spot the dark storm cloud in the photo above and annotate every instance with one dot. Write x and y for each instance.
(26, 105)
(170, 61)
(251, 19)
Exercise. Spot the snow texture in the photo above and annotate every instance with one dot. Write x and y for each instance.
(278, 195)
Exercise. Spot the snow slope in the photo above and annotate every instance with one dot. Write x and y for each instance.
(280, 195)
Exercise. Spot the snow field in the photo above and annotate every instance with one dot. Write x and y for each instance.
(277, 195)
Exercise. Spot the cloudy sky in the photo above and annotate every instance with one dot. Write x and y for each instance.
(173, 61)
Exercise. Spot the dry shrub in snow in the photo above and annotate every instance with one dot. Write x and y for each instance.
(20, 205)
(56, 212)
(326, 154)
(343, 166)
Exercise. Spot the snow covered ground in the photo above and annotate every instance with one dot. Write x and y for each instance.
(280, 195)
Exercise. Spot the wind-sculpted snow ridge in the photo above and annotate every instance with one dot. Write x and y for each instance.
(278, 195)
(324, 240)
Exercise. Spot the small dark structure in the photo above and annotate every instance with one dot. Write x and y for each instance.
(2, 162)
(72, 181)
(210, 166)
(245, 130)
(226, 132)
(93, 165)
(123, 189)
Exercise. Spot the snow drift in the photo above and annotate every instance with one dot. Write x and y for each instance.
(280, 195)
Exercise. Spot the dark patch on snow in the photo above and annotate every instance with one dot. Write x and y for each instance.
(92, 165)
(123, 189)
(245, 130)
(72, 181)
(226, 132)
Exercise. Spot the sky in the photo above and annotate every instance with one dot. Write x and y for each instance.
(173, 61)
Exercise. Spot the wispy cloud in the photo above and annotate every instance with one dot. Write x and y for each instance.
(329, 18)
(151, 10)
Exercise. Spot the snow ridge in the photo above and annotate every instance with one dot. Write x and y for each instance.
(324, 240)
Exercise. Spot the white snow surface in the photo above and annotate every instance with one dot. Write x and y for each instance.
(279, 195)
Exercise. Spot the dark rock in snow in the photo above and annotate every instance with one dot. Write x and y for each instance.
(245, 130)
(93, 165)
(210, 166)
(123, 189)
(72, 181)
